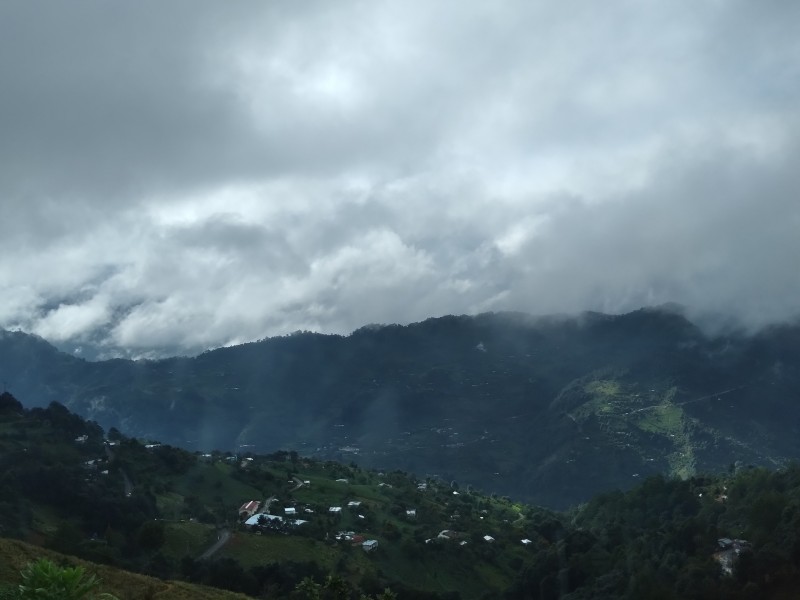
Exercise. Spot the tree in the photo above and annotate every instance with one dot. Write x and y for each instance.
(9, 404)
(44, 580)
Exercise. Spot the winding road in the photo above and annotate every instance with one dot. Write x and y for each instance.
(222, 539)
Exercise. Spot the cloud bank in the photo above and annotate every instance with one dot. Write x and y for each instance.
(177, 177)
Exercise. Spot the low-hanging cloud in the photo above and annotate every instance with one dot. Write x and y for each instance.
(185, 176)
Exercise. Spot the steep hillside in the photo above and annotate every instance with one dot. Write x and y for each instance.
(547, 410)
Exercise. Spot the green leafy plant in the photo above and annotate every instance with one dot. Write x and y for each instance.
(44, 580)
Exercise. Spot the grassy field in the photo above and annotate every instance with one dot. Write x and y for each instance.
(251, 550)
(208, 481)
(182, 539)
(170, 505)
(664, 419)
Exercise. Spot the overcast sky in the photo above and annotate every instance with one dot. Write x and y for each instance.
(182, 175)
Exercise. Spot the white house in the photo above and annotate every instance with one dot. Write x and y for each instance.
(267, 518)
(370, 545)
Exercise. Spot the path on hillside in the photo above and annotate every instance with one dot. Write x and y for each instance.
(685, 402)
(128, 483)
(267, 502)
(125, 479)
(222, 539)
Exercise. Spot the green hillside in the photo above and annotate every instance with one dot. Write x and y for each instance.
(157, 509)
(135, 505)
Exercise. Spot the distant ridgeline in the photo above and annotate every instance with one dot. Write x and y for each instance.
(285, 526)
(545, 410)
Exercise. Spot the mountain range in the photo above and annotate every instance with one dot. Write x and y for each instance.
(546, 410)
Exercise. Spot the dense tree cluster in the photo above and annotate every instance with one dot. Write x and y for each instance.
(660, 540)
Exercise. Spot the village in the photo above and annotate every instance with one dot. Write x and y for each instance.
(345, 512)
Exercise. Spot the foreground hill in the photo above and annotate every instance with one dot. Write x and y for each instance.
(15, 555)
(175, 515)
(546, 410)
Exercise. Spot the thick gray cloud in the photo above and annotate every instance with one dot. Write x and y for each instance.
(184, 175)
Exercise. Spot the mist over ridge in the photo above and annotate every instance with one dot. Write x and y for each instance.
(248, 184)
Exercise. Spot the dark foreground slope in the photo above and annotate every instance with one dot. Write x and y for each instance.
(547, 410)
(15, 555)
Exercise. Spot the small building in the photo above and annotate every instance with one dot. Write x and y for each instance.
(248, 509)
(526, 541)
(411, 513)
(353, 504)
(342, 480)
(289, 510)
(335, 510)
(81, 439)
(266, 519)
(370, 545)
(422, 487)
(488, 538)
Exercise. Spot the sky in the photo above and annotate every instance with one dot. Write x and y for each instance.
(176, 176)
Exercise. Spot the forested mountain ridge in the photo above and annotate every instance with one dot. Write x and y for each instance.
(550, 410)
